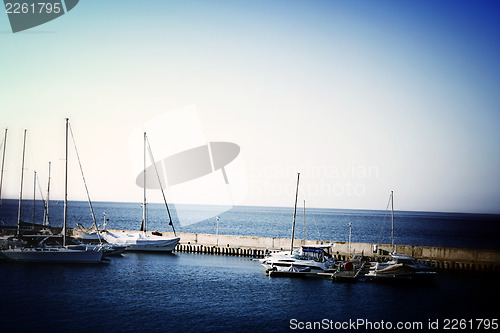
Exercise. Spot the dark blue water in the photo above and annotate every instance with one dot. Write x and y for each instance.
(368, 226)
(207, 293)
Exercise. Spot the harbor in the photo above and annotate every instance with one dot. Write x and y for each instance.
(442, 258)
(249, 166)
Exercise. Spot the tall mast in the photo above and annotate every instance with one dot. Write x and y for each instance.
(34, 197)
(217, 231)
(295, 212)
(304, 222)
(143, 225)
(392, 220)
(350, 232)
(3, 160)
(46, 213)
(65, 188)
(21, 191)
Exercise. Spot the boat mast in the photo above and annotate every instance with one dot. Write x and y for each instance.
(46, 213)
(3, 160)
(34, 198)
(21, 191)
(143, 225)
(392, 221)
(295, 212)
(65, 188)
(304, 222)
(350, 232)
(217, 231)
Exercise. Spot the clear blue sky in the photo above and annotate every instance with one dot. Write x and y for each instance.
(360, 97)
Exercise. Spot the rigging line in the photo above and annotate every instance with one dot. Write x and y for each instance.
(153, 161)
(37, 180)
(83, 177)
(317, 229)
(311, 214)
(32, 162)
(315, 224)
(4, 145)
(384, 220)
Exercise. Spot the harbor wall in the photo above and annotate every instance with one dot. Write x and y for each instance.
(440, 257)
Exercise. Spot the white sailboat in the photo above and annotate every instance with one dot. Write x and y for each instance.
(60, 253)
(400, 267)
(143, 241)
(53, 254)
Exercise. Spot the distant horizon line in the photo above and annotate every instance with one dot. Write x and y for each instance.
(267, 206)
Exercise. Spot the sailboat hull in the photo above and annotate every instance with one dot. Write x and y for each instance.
(142, 242)
(56, 255)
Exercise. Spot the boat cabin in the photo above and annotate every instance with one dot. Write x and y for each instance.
(318, 253)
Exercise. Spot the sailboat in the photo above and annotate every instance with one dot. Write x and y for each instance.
(400, 267)
(143, 241)
(35, 249)
(304, 260)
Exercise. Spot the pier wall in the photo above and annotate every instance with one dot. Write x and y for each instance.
(440, 257)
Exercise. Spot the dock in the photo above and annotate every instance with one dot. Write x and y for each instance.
(442, 258)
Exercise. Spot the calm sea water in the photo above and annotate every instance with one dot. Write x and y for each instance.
(369, 226)
(186, 292)
(207, 293)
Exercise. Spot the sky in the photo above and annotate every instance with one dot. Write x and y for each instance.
(362, 98)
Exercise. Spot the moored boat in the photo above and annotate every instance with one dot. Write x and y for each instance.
(34, 249)
(401, 267)
(315, 257)
(53, 254)
(143, 241)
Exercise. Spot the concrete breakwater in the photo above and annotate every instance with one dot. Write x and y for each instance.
(440, 257)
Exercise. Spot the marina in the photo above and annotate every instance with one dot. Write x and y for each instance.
(250, 166)
(453, 259)
(444, 259)
(215, 282)
(30, 249)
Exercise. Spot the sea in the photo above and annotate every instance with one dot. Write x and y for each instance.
(481, 231)
(187, 292)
